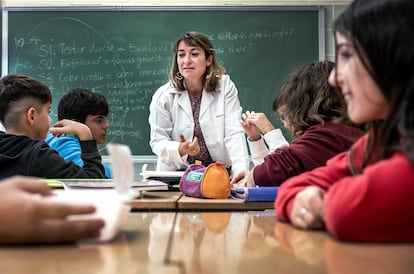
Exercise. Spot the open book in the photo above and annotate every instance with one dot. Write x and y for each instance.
(255, 194)
(104, 183)
(101, 183)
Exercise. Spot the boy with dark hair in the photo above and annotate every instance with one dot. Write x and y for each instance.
(86, 107)
(24, 112)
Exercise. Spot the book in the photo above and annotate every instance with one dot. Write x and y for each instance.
(165, 176)
(255, 194)
(104, 183)
(135, 189)
(172, 178)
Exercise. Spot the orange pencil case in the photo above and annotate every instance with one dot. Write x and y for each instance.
(200, 181)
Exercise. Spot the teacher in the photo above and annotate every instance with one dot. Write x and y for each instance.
(196, 115)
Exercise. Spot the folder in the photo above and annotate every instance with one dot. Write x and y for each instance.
(255, 194)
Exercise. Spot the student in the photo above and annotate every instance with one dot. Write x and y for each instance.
(195, 116)
(314, 113)
(365, 194)
(262, 136)
(89, 108)
(26, 217)
(24, 112)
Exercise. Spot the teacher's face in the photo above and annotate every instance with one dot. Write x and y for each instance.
(192, 62)
(365, 102)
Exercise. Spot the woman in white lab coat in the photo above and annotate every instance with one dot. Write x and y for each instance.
(196, 115)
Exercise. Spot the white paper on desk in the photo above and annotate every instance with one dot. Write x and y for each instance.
(109, 206)
(122, 167)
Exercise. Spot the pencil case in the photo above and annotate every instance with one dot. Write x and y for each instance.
(210, 181)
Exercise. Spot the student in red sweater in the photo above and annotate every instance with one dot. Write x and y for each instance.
(366, 194)
(314, 113)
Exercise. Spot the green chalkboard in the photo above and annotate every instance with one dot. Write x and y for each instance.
(125, 53)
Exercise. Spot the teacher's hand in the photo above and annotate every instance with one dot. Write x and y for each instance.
(186, 147)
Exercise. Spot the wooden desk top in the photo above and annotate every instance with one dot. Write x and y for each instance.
(127, 254)
(156, 200)
(175, 200)
(241, 242)
(198, 204)
(210, 242)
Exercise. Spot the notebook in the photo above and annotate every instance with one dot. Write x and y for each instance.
(255, 194)
(135, 185)
(172, 178)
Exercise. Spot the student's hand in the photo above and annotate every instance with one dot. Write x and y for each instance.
(70, 127)
(253, 133)
(186, 147)
(27, 217)
(260, 121)
(308, 208)
(242, 179)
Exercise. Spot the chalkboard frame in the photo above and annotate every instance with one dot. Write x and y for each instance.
(10, 8)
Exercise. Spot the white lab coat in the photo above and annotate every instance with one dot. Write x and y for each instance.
(220, 112)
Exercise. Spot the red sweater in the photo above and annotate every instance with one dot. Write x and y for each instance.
(312, 149)
(376, 206)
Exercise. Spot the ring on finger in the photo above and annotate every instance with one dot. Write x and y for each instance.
(303, 212)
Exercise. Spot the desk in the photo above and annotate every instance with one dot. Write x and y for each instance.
(191, 203)
(156, 200)
(127, 254)
(210, 242)
(175, 200)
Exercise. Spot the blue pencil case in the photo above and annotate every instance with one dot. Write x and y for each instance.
(255, 194)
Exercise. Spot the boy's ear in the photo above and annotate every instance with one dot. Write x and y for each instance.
(31, 115)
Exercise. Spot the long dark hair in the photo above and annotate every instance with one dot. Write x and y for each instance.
(381, 32)
(309, 99)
